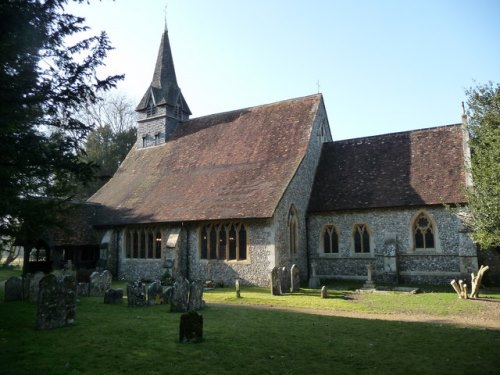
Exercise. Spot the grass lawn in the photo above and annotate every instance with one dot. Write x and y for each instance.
(116, 339)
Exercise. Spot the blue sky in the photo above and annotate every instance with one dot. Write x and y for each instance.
(383, 66)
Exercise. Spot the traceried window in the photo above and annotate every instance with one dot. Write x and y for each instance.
(361, 238)
(223, 241)
(293, 228)
(151, 109)
(423, 232)
(330, 239)
(142, 243)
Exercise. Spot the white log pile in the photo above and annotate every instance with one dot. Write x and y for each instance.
(461, 288)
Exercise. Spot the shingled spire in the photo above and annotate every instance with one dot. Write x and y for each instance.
(162, 100)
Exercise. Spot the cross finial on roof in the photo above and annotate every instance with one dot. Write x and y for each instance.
(317, 84)
(165, 11)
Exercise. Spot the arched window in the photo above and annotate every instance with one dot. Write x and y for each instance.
(128, 244)
(330, 239)
(143, 243)
(423, 232)
(293, 228)
(224, 241)
(361, 239)
(135, 245)
(158, 245)
(150, 244)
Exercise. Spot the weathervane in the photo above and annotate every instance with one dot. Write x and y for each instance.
(317, 84)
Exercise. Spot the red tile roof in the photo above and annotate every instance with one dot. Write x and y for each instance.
(418, 167)
(232, 165)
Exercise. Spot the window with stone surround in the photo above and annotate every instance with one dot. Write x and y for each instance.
(143, 243)
(293, 230)
(423, 232)
(151, 108)
(223, 241)
(361, 238)
(330, 239)
(157, 139)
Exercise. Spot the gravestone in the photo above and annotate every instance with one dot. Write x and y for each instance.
(180, 295)
(195, 296)
(99, 283)
(237, 287)
(167, 295)
(295, 278)
(56, 306)
(314, 281)
(13, 289)
(369, 281)
(34, 286)
(324, 292)
(285, 280)
(83, 289)
(191, 327)
(113, 296)
(136, 295)
(275, 282)
(155, 291)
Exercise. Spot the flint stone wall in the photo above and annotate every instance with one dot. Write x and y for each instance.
(391, 234)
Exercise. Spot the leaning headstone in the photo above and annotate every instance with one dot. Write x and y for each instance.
(113, 296)
(285, 280)
(34, 285)
(324, 292)
(83, 289)
(13, 289)
(56, 304)
(195, 296)
(136, 295)
(155, 291)
(180, 295)
(191, 327)
(294, 278)
(275, 282)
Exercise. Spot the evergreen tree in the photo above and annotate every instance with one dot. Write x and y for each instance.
(43, 83)
(484, 197)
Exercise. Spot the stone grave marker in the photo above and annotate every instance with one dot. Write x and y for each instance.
(324, 292)
(155, 291)
(285, 280)
(136, 295)
(113, 296)
(34, 286)
(191, 327)
(83, 289)
(275, 282)
(56, 302)
(195, 296)
(167, 294)
(180, 295)
(238, 288)
(13, 289)
(295, 278)
(99, 283)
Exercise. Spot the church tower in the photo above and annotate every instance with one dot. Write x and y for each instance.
(163, 106)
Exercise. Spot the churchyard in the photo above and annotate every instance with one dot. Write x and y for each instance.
(258, 333)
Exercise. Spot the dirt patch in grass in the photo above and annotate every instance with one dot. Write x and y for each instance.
(487, 316)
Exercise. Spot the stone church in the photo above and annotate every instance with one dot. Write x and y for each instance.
(234, 194)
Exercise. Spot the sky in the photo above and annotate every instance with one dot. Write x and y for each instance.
(382, 66)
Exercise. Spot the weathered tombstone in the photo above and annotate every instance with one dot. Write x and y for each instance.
(285, 280)
(34, 285)
(275, 282)
(369, 282)
(69, 290)
(166, 296)
(13, 289)
(180, 295)
(295, 278)
(113, 296)
(56, 302)
(155, 291)
(191, 327)
(135, 294)
(314, 282)
(195, 296)
(99, 283)
(83, 289)
(324, 292)
(237, 287)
